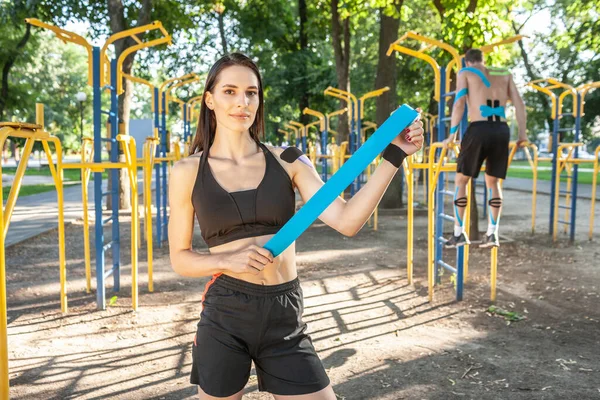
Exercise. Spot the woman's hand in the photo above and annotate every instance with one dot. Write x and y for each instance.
(411, 139)
(251, 260)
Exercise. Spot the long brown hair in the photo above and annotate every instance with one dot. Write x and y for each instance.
(207, 122)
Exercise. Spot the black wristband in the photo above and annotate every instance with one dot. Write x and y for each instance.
(394, 154)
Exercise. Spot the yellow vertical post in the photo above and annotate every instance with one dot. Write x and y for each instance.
(85, 174)
(467, 227)
(408, 172)
(594, 181)
(4, 382)
(493, 273)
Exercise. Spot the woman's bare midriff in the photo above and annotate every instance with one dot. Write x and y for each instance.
(282, 270)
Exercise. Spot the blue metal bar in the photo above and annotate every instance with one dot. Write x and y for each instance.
(446, 217)
(107, 246)
(357, 138)
(554, 166)
(564, 207)
(114, 157)
(109, 113)
(108, 87)
(324, 152)
(447, 266)
(564, 222)
(105, 221)
(575, 169)
(566, 129)
(99, 232)
(450, 94)
(109, 273)
(111, 140)
(448, 193)
(444, 119)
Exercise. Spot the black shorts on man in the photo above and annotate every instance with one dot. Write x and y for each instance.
(484, 141)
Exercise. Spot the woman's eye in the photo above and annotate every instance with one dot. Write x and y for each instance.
(229, 91)
(252, 94)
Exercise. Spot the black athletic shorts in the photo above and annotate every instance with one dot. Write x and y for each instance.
(243, 322)
(484, 141)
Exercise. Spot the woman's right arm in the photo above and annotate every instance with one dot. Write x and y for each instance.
(184, 260)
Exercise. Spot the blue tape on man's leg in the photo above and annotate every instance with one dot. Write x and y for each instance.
(356, 164)
(490, 208)
(460, 221)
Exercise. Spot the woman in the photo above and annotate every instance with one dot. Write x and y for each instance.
(242, 192)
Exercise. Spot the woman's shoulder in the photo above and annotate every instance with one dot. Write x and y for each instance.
(186, 167)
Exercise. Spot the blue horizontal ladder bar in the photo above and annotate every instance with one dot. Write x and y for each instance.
(446, 217)
(447, 266)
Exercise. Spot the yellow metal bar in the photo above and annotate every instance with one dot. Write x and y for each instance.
(193, 78)
(368, 95)
(67, 36)
(493, 273)
(594, 182)
(86, 157)
(16, 186)
(142, 82)
(344, 95)
(408, 172)
(490, 47)
(155, 25)
(424, 57)
(4, 381)
(133, 49)
(301, 127)
(545, 90)
(314, 113)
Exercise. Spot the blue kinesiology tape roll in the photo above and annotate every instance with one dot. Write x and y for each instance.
(396, 123)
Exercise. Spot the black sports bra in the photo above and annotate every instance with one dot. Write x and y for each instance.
(227, 216)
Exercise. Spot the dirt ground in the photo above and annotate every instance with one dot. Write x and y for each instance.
(378, 337)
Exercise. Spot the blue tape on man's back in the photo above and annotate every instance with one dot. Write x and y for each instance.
(477, 72)
(487, 111)
(356, 164)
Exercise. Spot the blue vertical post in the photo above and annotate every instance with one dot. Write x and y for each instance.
(439, 198)
(97, 93)
(554, 166)
(304, 133)
(358, 139)
(324, 152)
(115, 189)
(157, 95)
(158, 172)
(351, 143)
(161, 179)
(575, 167)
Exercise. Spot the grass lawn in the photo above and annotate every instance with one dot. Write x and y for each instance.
(32, 189)
(545, 175)
(71, 176)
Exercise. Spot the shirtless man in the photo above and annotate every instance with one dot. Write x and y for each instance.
(486, 91)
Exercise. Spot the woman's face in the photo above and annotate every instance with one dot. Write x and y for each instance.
(234, 98)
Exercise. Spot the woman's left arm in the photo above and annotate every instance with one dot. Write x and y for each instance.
(348, 217)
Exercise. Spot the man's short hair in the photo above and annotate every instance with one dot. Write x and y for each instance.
(474, 55)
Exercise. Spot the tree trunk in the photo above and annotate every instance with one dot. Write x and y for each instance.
(118, 23)
(221, 16)
(303, 99)
(341, 34)
(4, 90)
(388, 102)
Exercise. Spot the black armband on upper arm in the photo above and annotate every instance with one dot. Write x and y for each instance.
(292, 154)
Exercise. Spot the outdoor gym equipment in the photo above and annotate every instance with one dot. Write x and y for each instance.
(565, 156)
(107, 75)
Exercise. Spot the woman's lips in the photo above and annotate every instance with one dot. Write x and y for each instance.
(241, 117)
